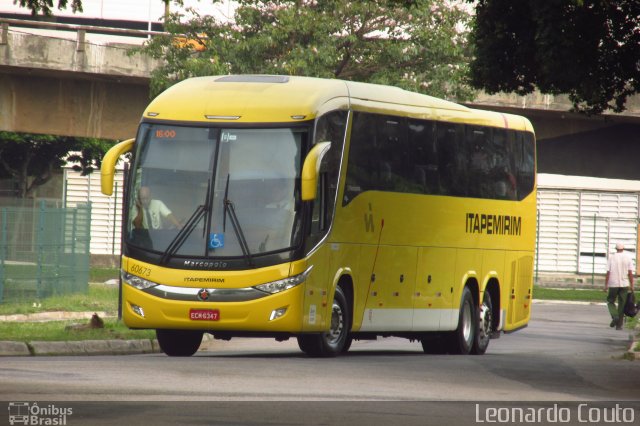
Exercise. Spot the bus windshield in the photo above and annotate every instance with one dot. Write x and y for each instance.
(204, 192)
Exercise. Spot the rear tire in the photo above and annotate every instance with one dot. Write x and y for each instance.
(334, 341)
(461, 341)
(485, 326)
(179, 342)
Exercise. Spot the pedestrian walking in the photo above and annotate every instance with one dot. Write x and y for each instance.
(617, 283)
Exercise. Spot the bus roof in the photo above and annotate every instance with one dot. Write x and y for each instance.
(283, 99)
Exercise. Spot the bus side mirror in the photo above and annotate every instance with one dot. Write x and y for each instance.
(311, 170)
(108, 168)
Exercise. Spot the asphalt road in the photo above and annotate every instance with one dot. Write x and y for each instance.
(567, 354)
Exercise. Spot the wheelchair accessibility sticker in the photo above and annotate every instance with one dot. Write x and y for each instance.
(216, 241)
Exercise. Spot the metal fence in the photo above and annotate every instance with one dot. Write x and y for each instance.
(44, 251)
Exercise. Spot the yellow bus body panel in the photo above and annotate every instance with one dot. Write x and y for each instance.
(196, 99)
(250, 315)
(234, 316)
(426, 255)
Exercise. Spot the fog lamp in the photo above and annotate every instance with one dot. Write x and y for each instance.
(137, 309)
(277, 313)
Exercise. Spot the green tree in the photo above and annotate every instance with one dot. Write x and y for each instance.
(418, 45)
(31, 159)
(45, 6)
(588, 49)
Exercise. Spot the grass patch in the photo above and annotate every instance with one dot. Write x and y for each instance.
(56, 331)
(100, 275)
(578, 295)
(100, 297)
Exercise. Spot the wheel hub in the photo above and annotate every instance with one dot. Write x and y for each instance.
(337, 324)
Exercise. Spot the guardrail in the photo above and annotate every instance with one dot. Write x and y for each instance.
(81, 30)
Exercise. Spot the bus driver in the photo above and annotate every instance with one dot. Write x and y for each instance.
(149, 213)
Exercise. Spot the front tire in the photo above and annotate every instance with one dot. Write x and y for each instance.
(334, 341)
(461, 341)
(179, 342)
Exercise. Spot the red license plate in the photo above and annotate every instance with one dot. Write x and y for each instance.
(204, 314)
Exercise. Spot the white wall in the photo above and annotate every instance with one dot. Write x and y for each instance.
(106, 212)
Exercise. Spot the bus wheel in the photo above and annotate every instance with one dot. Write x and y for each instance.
(461, 341)
(485, 326)
(334, 341)
(179, 342)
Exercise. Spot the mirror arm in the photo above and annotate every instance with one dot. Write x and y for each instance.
(311, 170)
(108, 167)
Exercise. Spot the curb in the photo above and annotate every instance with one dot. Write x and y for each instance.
(632, 354)
(564, 302)
(14, 349)
(53, 316)
(80, 347)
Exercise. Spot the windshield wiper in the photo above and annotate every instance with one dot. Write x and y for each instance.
(188, 228)
(228, 207)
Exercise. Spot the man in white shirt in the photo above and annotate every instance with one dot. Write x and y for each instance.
(149, 213)
(618, 282)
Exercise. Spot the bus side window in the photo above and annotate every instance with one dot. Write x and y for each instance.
(330, 127)
(451, 180)
(525, 153)
(501, 176)
(480, 161)
(391, 154)
(363, 164)
(423, 157)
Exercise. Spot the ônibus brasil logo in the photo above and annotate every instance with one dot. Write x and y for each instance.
(26, 413)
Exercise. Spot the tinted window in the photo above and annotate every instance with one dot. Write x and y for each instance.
(330, 127)
(525, 164)
(428, 157)
(425, 168)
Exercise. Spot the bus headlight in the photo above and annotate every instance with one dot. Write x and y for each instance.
(284, 284)
(136, 281)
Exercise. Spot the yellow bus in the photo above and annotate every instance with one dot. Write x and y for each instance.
(326, 211)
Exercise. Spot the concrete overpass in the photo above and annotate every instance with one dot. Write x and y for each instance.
(63, 84)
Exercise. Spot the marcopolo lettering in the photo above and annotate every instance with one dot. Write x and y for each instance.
(204, 264)
(493, 224)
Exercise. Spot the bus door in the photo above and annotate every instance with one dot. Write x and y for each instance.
(434, 287)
